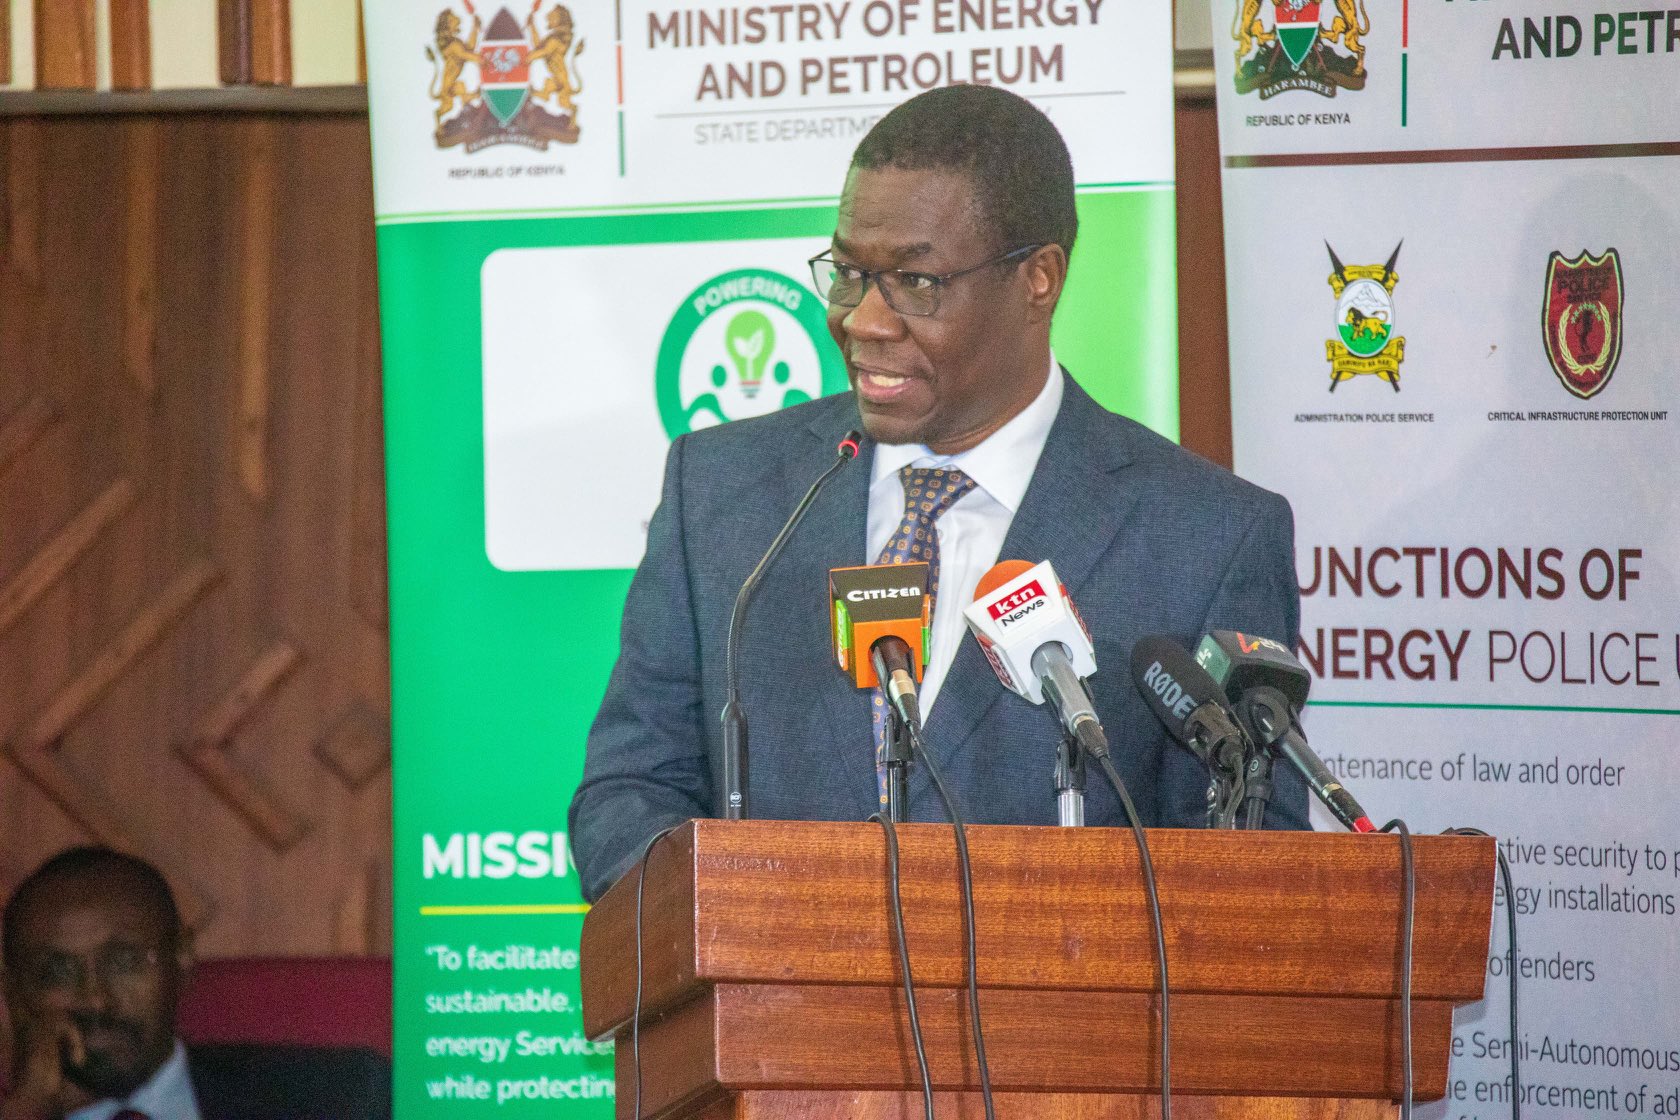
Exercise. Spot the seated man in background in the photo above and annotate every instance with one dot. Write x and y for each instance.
(94, 960)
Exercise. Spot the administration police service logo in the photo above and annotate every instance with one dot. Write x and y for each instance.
(1365, 341)
(744, 343)
(1582, 319)
(1286, 44)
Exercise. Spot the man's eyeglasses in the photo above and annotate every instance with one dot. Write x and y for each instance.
(118, 963)
(908, 293)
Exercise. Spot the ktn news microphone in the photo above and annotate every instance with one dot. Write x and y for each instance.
(1189, 703)
(1038, 645)
(734, 718)
(1268, 686)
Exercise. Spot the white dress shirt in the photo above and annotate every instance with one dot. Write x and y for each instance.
(166, 1095)
(971, 532)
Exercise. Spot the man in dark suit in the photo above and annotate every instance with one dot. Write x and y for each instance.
(955, 227)
(94, 957)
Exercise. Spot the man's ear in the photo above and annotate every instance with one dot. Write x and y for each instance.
(1046, 273)
(184, 956)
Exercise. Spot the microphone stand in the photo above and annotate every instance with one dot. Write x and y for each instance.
(897, 758)
(1070, 783)
(734, 716)
(1257, 787)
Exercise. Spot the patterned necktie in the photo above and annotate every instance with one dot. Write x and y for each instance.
(928, 493)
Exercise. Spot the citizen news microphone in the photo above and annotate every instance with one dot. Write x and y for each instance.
(1268, 686)
(1037, 643)
(879, 601)
(733, 718)
(1188, 702)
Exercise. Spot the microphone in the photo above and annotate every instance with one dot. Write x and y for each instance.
(734, 718)
(1189, 704)
(1038, 645)
(895, 665)
(873, 602)
(880, 616)
(1268, 686)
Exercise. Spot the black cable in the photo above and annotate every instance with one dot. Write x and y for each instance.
(1154, 920)
(636, 1014)
(1511, 967)
(968, 917)
(904, 960)
(1408, 905)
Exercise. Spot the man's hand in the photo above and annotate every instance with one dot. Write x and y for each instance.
(42, 1045)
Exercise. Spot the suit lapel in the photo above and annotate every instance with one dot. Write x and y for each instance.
(1073, 509)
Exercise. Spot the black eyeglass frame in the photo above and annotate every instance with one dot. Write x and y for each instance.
(871, 275)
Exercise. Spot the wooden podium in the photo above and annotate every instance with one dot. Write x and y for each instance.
(771, 983)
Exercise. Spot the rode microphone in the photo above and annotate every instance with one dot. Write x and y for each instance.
(1037, 644)
(733, 718)
(1189, 704)
(1268, 686)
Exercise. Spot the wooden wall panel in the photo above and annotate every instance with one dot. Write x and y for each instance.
(64, 44)
(1204, 364)
(131, 45)
(193, 656)
(193, 660)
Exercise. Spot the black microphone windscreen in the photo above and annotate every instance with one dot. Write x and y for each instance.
(1170, 681)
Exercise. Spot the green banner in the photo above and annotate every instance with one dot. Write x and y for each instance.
(556, 308)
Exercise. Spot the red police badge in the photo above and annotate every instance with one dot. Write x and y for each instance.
(1582, 319)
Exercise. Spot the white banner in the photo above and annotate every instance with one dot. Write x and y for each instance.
(1453, 243)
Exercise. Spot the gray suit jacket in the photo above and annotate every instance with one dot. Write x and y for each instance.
(1148, 538)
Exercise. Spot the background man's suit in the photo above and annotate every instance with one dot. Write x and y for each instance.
(251, 1082)
(1148, 538)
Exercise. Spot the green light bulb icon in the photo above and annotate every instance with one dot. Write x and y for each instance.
(751, 340)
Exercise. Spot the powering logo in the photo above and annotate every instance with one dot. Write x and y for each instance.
(744, 343)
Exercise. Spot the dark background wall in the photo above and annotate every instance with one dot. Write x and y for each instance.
(193, 641)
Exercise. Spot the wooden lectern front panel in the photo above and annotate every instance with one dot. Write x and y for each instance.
(1039, 1106)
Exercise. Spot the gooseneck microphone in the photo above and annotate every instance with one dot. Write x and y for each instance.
(734, 718)
(1189, 704)
(1268, 685)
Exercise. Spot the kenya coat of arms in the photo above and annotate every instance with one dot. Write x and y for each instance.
(1285, 44)
(507, 83)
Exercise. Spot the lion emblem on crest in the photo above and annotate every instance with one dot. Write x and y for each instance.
(505, 82)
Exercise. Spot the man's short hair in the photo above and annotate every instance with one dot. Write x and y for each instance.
(86, 863)
(1012, 154)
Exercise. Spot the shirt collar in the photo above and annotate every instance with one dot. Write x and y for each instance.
(167, 1093)
(1003, 463)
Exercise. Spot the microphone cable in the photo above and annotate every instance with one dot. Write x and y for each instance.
(1408, 905)
(1511, 969)
(636, 1013)
(1148, 866)
(970, 952)
(904, 960)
